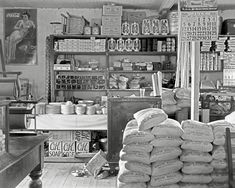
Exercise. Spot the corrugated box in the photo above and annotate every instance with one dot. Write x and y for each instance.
(136, 16)
(61, 135)
(111, 20)
(82, 136)
(68, 148)
(112, 10)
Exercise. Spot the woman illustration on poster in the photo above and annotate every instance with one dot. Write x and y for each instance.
(21, 29)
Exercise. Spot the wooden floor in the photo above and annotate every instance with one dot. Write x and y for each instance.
(58, 175)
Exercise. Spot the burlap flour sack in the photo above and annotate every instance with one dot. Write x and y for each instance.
(164, 186)
(171, 141)
(218, 185)
(219, 164)
(218, 152)
(170, 108)
(130, 185)
(197, 145)
(144, 147)
(165, 167)
(168, 97)
(166, 179)
(136, 166)
(149, 117)
(230, 118)
(193, 185)
(197, 168)
(133, 135)
(195, 156)
(169, 127)
(197, 131)
(219, 127)
(164, 153)
(193, 124)
(143, 157)
(219, 176)
(127, 176)
(196, 178)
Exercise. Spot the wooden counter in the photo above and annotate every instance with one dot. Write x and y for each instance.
(25, 156)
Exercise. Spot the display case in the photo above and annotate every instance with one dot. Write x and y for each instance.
(120, 111)
(4, 126)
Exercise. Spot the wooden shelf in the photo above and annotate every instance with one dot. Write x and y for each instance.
(91, 90)
(142, 72)
(210, 71)
(142, 53)
(79, 53)
(67, 36)
(87, 71)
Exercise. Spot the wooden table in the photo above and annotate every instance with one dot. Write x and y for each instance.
(25, 156)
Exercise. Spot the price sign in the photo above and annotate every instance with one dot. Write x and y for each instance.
(199, 25)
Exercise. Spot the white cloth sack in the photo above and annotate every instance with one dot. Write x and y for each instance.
(165, 179)
(166, 141)
(166, 167)
(169, 127)
(164, 153)
(197, 168)
(149, 117)
(133, 135)
(197, 146)
(195, 156)
(142, 157)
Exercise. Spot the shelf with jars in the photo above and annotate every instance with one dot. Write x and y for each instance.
(83, 63)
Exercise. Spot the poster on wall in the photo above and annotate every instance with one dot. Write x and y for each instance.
(20, 30)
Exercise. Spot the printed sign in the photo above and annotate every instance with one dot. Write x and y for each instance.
(82, 136)
(68, 148)
(55, 148)
(199, 25)
(82, 147)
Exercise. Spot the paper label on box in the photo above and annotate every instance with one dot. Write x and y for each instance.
(55, 148)
(82, 147)
(82, 136)
(68, 148)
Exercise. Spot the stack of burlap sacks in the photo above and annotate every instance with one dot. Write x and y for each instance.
(151, 150)
(219, 162)
(158, 152)
(196, 156)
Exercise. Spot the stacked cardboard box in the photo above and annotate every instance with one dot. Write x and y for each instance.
(111, 20)
(68, 143)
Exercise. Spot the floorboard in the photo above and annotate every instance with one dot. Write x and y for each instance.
(58, 175)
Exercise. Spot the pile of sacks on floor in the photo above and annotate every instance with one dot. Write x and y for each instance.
(159, 152)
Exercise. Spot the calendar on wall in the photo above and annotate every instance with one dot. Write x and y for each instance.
(199, 25)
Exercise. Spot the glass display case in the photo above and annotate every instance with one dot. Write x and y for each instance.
(4, 126)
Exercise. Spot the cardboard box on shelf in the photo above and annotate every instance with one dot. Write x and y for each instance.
(112, 10)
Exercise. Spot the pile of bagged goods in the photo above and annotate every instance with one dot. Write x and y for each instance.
(159, 152)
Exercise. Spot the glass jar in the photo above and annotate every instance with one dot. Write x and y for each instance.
(136, 45)
(128, 45)
(155, 26)
(146, 26)
(112, 45)
(126, 28)
(120, 45)
(135, 30)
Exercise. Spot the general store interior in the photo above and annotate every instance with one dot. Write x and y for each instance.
(100, 87)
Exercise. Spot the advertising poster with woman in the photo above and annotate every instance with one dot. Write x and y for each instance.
(21, 36)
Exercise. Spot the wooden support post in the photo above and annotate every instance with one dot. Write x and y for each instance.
(195, 68)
